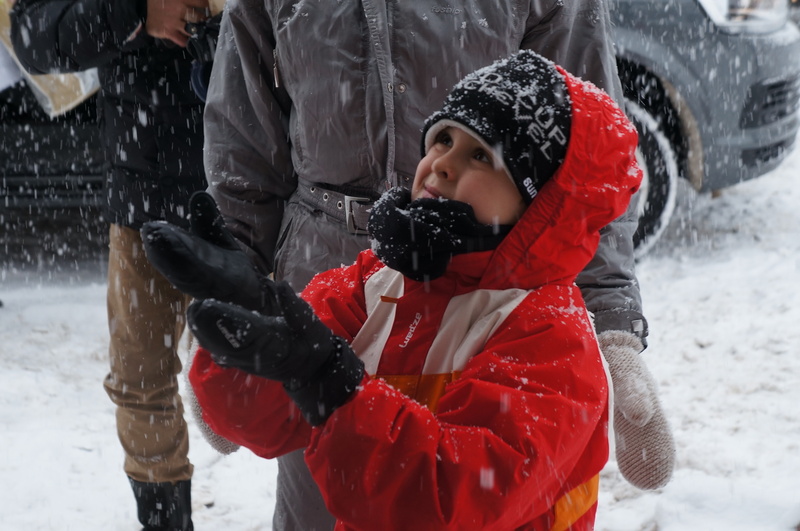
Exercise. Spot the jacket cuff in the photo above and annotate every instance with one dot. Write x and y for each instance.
(141, 10)
(336, 382)
(126, 20)
(629, 321)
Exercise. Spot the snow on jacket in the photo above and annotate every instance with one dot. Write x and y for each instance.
(150, 116)
(486, 405)
(306, 92)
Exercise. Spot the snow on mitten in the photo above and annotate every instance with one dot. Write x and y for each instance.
(318, 370)
(645, 449)
(206, 262)
(217, 442)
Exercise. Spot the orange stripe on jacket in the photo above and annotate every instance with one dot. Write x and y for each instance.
(576, 503)
(424, 388)
(428, 388)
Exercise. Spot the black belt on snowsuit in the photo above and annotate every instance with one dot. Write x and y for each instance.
(352, 211)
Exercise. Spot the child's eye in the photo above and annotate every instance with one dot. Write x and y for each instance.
(444, 138)
(482, 156)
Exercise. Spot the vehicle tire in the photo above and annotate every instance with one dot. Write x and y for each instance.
(656, 198)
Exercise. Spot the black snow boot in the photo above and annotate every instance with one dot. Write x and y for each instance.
(164, 506)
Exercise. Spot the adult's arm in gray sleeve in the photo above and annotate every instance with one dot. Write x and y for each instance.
(247, 154)
(577, 35)
(609, 284)
(73, 35)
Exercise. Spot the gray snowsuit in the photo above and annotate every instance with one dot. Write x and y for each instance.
(315, 108)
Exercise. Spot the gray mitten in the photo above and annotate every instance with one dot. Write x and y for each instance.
(645, 449)
(217, 442)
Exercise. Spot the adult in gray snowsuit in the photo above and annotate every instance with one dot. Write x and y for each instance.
(315, 108)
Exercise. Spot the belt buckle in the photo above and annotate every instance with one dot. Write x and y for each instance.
(348, 212)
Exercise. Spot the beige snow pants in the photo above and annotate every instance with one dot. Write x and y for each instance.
(146, 317)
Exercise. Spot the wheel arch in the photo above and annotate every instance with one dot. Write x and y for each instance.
(655, 94)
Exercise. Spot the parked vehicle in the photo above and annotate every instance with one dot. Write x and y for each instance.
(45, 162)
(711, 85)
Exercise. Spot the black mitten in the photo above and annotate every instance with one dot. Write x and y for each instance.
(318, 369)
(206, 262)
(419, 238)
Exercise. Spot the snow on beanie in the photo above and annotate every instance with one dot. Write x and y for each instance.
(520, 108)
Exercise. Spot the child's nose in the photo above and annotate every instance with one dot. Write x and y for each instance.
(446, 166)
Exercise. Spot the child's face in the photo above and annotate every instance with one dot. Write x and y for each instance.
(459, 167)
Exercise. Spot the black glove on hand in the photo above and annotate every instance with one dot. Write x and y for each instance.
(206, 263)
(318, 369)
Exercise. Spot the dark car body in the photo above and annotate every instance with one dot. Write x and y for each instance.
(48, 162)
(735, 92)
(715, 98)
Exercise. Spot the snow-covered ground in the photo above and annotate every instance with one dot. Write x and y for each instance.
(722, 294)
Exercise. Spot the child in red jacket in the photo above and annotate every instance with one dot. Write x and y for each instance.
(450, 378)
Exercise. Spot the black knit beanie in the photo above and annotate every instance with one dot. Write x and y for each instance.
(520, 108)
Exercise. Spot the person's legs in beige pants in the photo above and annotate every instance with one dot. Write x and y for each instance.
(146, 317)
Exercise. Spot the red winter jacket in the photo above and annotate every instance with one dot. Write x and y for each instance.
(486, 405)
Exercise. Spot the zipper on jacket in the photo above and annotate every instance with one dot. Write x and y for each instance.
(275, 73)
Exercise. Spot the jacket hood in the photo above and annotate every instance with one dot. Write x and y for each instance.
(559, 232)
